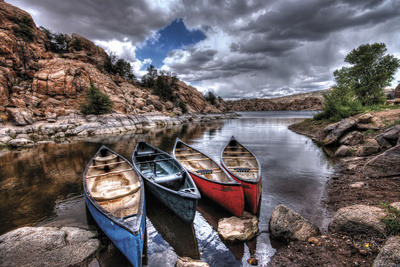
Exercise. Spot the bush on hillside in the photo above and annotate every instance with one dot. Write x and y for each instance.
(96, 102)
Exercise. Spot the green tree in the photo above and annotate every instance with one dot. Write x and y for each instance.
(165, 85)
(24, 29)
(149, 79)
(58, 41)
(370, 73)
(210, 97)
(96, 102)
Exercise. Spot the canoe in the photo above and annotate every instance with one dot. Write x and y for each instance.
(212, 181)
(167, 180)
(245, 168)
(114, 195)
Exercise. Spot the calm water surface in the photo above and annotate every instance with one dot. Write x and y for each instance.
(43, 186)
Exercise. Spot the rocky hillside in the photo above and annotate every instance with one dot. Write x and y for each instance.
(36, 84)
(306, 101)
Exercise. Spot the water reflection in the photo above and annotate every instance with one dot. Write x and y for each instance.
(43, 186)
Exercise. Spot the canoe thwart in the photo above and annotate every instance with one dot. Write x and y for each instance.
(107, 164)
(187, 160)
(185, 155)
(93, 176)
(238, 157)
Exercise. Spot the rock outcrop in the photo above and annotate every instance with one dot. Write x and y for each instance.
(358, 220)
(48, 246)
(241, 228)
(307, 103)
(287, 225)
(36, 83)
(386, 164)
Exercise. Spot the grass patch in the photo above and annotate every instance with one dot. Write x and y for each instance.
(392, 220)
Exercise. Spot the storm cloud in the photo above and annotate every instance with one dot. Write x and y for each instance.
(251, 48)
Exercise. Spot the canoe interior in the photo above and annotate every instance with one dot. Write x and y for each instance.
(240, 161)
(160, 168)
(199, 163)
(113, 184)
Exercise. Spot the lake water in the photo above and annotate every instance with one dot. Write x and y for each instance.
(43, 186)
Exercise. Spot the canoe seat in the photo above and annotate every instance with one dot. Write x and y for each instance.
(242, 169)
(205, 171)
(168, 178)
(116, 193)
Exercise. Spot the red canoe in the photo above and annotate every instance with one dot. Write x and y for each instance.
(212, 181)
(244, 167)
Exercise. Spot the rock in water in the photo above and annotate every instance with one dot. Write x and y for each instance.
(389, 254)
(358, 219)
(386, 164)
(189, 262)
(287, 225)
(240, 228)
(47, 246)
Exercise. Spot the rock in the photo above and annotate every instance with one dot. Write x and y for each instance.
(365, 118)
(367, 126)
(369, 147)
(314, 240)
(389, 254)
(20, 117)
(239, 229)
(352, 138)
(386, 164)
(395, 205)
(397, 91)
(392, 134)
(358, 219)
(343, 151)
(189, 262)
(357, 185)
(288, 225)
(383, 143)
(252, 261)
(339, 129)
(21, 142)
(47, 246)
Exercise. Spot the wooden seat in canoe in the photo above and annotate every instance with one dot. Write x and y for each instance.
(116, 193)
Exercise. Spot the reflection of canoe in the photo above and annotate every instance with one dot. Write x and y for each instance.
(178, 234)
(210, 178)
(114, 194)
(244, 167)
(165, 177)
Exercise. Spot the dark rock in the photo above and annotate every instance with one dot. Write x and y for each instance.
(392, 134)
(386, 164)
(369, 147)
(358, 219)
(389, 254)
(339, 129)
(287, 225)
(383, 143)
(343, 151)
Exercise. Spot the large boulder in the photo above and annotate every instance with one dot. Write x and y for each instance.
(351, 138)
(386, 164)
(358, 219)
(47, 246)
(392, 134)
(389, 254)
(368, 148)
(239, 229)
(287, 225)
(336, 132)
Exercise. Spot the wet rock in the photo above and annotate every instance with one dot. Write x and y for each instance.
(287, 225)
(240, 228)
(389, 254)
(189, 262)
(47, 246)
(339, 129)
(386, 164)
(352, 138)
(21, 142)
(358, 219)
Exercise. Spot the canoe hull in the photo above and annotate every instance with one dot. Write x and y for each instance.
(251, 191)
(228, 196)
(183, 206)
(129, 243)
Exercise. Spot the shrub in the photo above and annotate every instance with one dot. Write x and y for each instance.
(183, 106)
(392, 220)
(96, 102)
(210, 97)
(24, 30)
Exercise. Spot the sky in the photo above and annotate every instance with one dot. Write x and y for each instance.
(235, 48)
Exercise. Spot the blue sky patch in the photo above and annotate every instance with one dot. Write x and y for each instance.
(174, 36)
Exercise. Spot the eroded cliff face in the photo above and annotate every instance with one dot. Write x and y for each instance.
(38, 83)
(307, 103)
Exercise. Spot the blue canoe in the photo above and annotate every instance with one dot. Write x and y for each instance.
(114, 195)
(167, 180)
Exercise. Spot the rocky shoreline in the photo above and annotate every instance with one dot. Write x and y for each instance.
(364, 184)
(79, 127)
